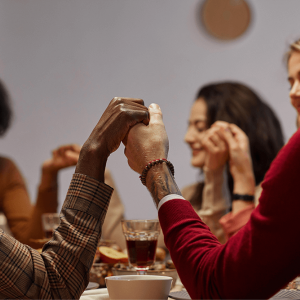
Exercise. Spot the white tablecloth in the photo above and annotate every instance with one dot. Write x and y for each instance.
(95, 294)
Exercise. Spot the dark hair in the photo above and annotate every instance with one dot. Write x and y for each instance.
(5, 109)
(238, 104)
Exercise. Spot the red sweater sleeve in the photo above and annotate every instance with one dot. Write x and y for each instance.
(257, 261)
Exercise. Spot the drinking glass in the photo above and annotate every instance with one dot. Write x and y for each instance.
(50, 222)
(141, 239)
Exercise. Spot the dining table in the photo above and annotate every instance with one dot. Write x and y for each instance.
(102, 293)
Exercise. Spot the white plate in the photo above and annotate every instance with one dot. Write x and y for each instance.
(96, 294)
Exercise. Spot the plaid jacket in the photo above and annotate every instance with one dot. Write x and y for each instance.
(62, 270)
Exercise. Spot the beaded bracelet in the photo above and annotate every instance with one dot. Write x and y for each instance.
(153, 163)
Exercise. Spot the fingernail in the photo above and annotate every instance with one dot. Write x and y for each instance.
(154, 105)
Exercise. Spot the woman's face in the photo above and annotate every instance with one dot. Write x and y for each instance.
(196, 130)
(294, 79)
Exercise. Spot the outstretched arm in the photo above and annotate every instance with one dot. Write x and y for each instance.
(256, 262)
(62, 270)
(62, 157)
(240, 167)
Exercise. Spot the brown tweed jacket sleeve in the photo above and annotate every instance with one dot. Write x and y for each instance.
(62, 270)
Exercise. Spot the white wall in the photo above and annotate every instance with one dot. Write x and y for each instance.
(64, 60)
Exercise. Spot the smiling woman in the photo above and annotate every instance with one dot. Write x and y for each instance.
(196, 132)
(237, 104)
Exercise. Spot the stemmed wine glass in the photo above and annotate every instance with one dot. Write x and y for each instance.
(141, 239)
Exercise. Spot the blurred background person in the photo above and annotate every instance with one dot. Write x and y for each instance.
(213, 198)
(24, 219)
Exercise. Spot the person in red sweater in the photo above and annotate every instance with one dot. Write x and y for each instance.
(257, 261)
(293, 66)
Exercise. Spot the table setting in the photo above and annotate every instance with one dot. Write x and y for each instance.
(136, 274)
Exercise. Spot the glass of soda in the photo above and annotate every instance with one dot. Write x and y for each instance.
(50, 222)
(141, 240)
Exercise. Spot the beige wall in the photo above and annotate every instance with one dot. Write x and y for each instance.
(63, 60)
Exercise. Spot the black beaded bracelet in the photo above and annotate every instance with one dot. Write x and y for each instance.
(153, 163)
(243, 197)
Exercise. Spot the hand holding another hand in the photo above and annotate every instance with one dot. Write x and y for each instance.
(62, 157)
(146, 143)
(216, 148)
(120, 115)
(240, 163)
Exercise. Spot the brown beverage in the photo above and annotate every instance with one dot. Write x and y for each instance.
(48, 233)
(141, 253)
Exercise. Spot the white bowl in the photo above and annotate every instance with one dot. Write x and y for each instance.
(138, 287)
(166, 272)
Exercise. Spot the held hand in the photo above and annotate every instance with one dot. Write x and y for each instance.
(62, 157)
(146, 143)
(240, 162)
(120, 115)
(216, 148)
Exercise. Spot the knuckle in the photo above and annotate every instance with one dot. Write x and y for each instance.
(116, 101)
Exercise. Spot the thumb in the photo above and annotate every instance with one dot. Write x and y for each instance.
(155, 112)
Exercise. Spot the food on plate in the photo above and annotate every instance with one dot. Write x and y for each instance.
(99, 272)
(294, 285)
(116, 247)
(170, 264)
(106, 256)
(160, 254)
(111, 256)
(158, 266)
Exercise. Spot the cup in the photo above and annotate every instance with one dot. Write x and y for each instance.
(138, 287)
(141, 240)
(50, 222)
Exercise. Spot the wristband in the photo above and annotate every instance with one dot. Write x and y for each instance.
(153, 163)
(242, 197)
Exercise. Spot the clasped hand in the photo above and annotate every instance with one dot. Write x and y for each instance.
(113, 126)
(237, 150)
(146, 143)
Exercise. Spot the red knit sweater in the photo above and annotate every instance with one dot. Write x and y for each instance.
(256, 262)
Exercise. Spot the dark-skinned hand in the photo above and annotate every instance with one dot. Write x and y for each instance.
(112, 128)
